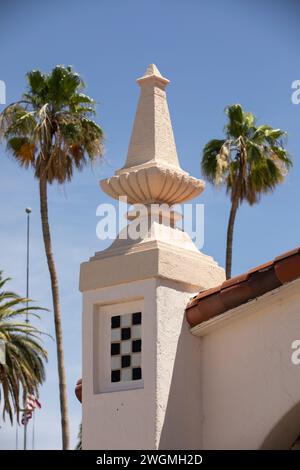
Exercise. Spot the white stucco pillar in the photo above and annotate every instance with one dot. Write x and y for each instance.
(141, 368)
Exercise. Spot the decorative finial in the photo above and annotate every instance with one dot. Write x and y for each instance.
(153, 72)
(152, 173)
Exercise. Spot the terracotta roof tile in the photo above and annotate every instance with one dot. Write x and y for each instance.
(287, 254)
(288, 269)
(261, 267)
(78, 390)
(243, 288)
(235, 280)
(205, 293)
(237, 293)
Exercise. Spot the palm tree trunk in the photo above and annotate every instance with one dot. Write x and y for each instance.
(57, 314)
(230, 227)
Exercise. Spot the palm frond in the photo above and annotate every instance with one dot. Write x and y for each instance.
(24, 370)
(256, 162)
(51, 130)
(209, 161)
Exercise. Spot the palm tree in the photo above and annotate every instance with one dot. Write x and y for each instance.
(51, 130)
(249, 162)
(79, 438)
(23, 370)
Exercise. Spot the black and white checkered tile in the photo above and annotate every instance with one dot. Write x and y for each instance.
(126, 347)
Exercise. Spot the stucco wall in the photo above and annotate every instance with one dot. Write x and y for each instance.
(179, 412)
(119, 419)
(162, 413)
(250, 384)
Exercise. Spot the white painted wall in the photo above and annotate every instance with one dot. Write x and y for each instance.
(161, 414)
(178, 391)
(251, 389)
(119, 419)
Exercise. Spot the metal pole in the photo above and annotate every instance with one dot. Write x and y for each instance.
(17, 435)
(33, 431)
(28, 212)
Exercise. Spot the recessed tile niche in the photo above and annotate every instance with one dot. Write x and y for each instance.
(118, 346)
(126, 347)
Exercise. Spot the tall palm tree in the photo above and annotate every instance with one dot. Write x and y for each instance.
(249, 162)
(51, 130)
(23, 370)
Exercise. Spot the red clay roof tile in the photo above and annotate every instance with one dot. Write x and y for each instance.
(78, 390)
(288, 269)
(235, 280)
(287, 254)
(243, 288)
(261, 267)
(205, 293)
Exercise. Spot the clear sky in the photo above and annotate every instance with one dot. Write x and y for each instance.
(215, 53)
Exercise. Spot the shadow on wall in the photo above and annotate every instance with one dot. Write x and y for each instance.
(183, 416)
(285, 433)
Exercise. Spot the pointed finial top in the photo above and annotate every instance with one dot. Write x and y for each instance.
(153, 72)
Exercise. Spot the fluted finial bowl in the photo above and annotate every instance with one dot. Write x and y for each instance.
(156, 184)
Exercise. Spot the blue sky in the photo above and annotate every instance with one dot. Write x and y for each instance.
(215, 53)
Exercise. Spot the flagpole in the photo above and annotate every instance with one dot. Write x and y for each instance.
(28, 212)
(17, 435)
(33, 431)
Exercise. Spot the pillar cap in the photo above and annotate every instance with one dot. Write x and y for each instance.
(151, 73)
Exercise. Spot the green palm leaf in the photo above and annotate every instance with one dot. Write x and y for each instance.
(24, 369)
(251, 161)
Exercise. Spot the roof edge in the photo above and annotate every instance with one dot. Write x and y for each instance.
(243, 288)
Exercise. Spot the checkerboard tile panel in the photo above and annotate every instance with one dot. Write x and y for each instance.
(126, 347)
